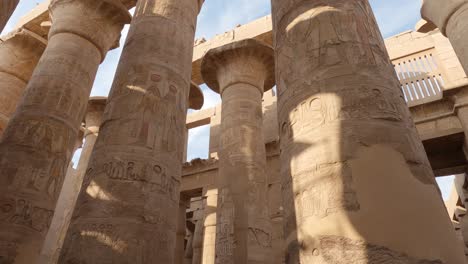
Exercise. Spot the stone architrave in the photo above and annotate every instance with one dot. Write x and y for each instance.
(20, 52)
(72, 185)
(130, 193)
(7, 7)
(354, 171)
(241, 72)
(451, 17)
(38, 142)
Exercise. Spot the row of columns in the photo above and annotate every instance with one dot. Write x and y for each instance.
(351, 159)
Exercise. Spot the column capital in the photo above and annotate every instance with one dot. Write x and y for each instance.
(196, 98)
(94, 113)
(98, 21)
(20, 50)
(247, 61)
(439, 12)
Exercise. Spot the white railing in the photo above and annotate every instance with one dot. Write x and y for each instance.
(421, 77)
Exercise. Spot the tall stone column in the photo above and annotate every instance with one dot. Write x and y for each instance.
(130, 194)
(354, 172)
(209, 221)
(7, 7)
(189, 248)
(179, 252)
(38, 142)
(197, 243)
(72, 185)
(241, 72)
(20, 52)
(451, 17)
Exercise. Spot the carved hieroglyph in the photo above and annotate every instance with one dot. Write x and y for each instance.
(38, 142)
(451, 17)
(240, 72)
(128, 204)
(354, 172)
(20, 52)
(6, 10)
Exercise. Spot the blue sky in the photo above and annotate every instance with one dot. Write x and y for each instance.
(219, 16)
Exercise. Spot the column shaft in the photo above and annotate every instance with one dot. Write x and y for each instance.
(209, 219)
(20, 52)
(241, 72)
(354, 172)
(179, 252)
(63, 212)
(38, 142)
(197, 243)
(7, 7)
(457, 33)
(242, 180)
(130, 194)
(451, 17)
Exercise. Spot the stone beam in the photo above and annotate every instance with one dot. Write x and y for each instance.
(198, 174)
(200, 118)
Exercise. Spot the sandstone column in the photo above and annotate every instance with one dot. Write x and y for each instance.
(209, 221)
(179, 252)
(20, 52)
(7, 7)
(72, 185)
(241, 72)
(354, 171)
(197, 243)
(130, 194)
(37, 144)
(451, 17)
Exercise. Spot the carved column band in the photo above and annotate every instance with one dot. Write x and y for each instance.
(451, 17)
(241, 72)
(20, 52)
(38, 142)
(130, 193)
(354, 171)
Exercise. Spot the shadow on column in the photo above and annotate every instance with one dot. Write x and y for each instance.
(357, 185)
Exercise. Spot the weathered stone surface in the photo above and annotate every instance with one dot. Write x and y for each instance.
(334, 249)
(72, 185)
(20, 52)
(6, 10)
(130, 196)
(351, 161)
(451, 17)
(241, 72)
(38, 142)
